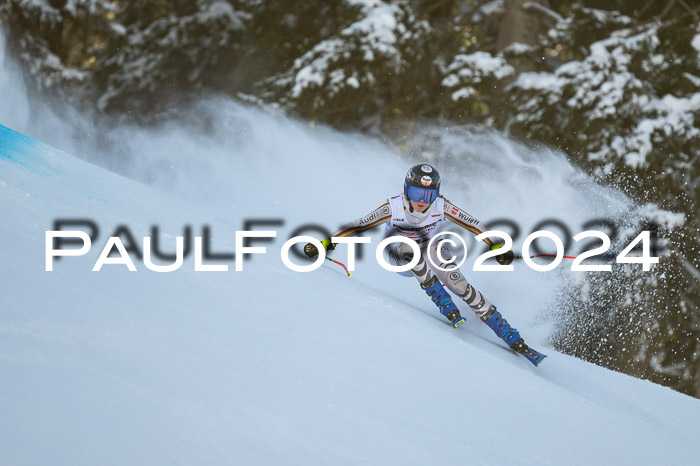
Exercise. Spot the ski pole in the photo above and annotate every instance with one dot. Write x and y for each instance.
(340, 264)
(545, 255)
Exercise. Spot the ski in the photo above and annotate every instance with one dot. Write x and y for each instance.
(535, 357)
(459, 321)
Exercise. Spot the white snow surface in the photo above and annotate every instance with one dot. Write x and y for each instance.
(270, 366)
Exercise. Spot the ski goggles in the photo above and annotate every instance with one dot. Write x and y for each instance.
(417, 194)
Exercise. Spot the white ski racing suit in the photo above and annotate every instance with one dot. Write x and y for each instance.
(399, 221)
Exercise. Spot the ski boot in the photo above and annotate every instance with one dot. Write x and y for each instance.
(504, 331)
(443, 301)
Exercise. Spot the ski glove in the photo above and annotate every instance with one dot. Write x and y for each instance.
(504, 259)
(311, 251)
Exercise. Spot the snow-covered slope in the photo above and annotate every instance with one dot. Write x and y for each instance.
(270, 366)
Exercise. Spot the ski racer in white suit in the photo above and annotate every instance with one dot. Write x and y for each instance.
(419, 213)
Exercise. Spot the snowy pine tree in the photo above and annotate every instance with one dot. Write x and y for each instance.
(355, 72)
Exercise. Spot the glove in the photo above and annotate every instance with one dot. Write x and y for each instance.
(504, 259)
(311, 251)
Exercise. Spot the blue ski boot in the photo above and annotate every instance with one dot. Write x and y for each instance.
(502, 328)
(443, 301)
(504, 331)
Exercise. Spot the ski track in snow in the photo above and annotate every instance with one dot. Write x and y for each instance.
(270, 366)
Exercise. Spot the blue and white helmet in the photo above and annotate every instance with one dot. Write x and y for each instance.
(422, 184)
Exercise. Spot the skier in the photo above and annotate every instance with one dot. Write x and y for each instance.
(419, 214)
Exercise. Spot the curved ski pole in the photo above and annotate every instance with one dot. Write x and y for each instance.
(340, 264)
